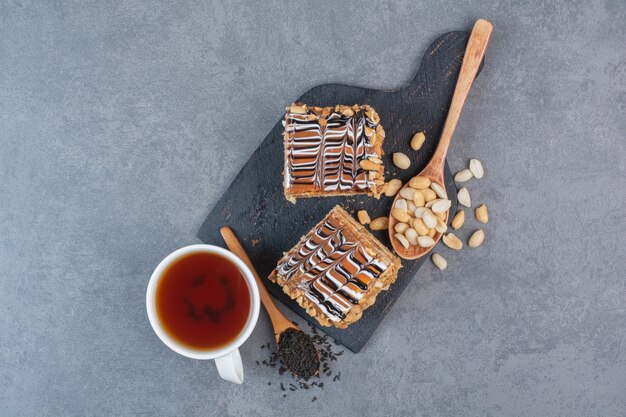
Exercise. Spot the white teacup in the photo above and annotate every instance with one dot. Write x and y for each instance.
(227, 358)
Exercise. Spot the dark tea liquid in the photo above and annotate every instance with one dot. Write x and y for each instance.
(202, 301)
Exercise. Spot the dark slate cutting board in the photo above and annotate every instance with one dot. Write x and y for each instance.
(268, 225)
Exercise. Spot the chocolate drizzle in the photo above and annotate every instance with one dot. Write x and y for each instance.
(333, 269)
(324, 150)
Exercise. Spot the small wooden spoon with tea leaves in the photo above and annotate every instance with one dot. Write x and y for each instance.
(474, 53)
(295, 348)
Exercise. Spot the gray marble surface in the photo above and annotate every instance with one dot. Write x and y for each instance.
(121, 123)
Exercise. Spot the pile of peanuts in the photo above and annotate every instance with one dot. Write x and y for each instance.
(421, 212)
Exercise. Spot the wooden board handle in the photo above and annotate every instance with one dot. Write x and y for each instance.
(474, 54)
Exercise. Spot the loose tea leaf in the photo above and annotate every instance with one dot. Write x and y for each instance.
(298, 353)
(327, 353)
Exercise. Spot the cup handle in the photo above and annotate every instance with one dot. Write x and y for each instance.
(230, 367)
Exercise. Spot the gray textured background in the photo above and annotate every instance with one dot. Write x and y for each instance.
(121, 125)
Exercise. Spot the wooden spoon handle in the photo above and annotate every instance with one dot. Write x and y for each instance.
(474, 54)
(279, 321)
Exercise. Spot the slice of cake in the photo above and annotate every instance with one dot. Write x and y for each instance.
(332, 151)
(336, 270)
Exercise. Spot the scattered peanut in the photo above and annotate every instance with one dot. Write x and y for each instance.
(417, 141)
(477, 168)
(458, 220)
(463, 175)
(476, 239)
(439, 261)
(452, 241)
(380, 223)
(401, 160)
(482, 215)
(363, 217)
(464, 197)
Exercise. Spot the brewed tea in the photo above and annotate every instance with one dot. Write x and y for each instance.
(203, 301)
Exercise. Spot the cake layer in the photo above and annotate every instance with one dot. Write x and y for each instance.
(332, 151)
(336, 270)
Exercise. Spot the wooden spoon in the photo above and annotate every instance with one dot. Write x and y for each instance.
(474, 54)
(279, 321)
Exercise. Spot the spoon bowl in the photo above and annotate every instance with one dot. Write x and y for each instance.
(474, 54)
(415, 251)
